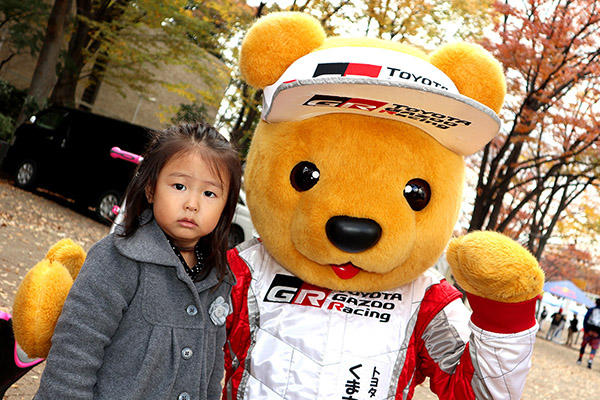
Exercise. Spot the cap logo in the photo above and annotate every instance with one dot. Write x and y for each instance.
(344, 102)
(346, 69)
(373, 71)
(381, 83)
(438, 120)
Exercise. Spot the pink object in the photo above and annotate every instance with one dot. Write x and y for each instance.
(25, 364)
(116, 209)
(19, 355)
(116, 152)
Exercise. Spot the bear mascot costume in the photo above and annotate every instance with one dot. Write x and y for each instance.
(354, 182)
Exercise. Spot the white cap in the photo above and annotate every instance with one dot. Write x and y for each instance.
(381, 83)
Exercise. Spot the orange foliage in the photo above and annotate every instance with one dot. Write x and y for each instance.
(571, 263)
(548, 153)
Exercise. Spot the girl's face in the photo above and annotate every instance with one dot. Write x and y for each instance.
(188, 198)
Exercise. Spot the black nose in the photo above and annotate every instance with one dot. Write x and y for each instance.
(352, 235)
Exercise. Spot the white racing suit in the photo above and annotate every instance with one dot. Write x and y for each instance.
(291, 340)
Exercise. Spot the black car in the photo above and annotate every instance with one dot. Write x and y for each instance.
(67, 151)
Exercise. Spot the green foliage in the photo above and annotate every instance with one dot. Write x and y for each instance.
(428, 23)
(22, 24)
(190, 113)
(11, 99)
(218, 21)
(6, 127)
(138, 38)
(31, 106)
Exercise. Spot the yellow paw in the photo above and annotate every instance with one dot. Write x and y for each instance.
(491, 265)
(41, 296)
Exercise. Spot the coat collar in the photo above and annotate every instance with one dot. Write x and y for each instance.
(148, 245)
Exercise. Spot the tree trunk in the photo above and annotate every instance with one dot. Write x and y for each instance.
(64, 90)
(494, 176)
(248, 115)
(44, 74)
(88, 98)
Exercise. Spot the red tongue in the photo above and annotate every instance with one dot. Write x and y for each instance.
(345, 271)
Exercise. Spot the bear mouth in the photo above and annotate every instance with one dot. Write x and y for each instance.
(345, 271)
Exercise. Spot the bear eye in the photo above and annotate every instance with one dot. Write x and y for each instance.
(417, 193)
(304, 176)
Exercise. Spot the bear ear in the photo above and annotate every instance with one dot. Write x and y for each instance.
(474, 71)
(274, 42)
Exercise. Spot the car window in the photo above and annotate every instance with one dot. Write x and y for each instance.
(50, 119)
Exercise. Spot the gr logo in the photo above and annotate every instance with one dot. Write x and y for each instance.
(344, 102)
(292, 290)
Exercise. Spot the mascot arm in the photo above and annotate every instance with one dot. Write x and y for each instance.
(464, 361)
(493, 355)
(90, 316)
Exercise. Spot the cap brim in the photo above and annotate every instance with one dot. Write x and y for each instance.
(459, 123)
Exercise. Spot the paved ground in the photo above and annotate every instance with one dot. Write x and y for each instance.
(31, 222)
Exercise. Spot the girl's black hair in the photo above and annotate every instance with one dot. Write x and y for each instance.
(219, 155)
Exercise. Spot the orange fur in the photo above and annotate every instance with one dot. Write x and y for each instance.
(69, 254)
(38, 304)
(475, 73)
(290, 36)
(494, 266)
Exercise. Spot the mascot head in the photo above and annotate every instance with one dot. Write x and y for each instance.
(355, 173)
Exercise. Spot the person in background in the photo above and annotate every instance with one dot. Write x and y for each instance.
(591, 333)
(145, 318)
(543, 316)
(572, 329)
(558, 332)
(555, 321)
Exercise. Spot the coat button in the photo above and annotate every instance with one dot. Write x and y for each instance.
(191, 310)
(184, 396)
(186, 353)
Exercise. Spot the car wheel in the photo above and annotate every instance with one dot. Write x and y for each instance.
(236, 236)
(26, 174)
(105, 204)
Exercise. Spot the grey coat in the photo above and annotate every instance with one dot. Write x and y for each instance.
(135, 326)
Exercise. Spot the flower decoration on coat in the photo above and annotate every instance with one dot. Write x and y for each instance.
(218, 311)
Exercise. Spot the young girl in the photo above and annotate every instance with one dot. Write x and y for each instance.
(145, 317)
